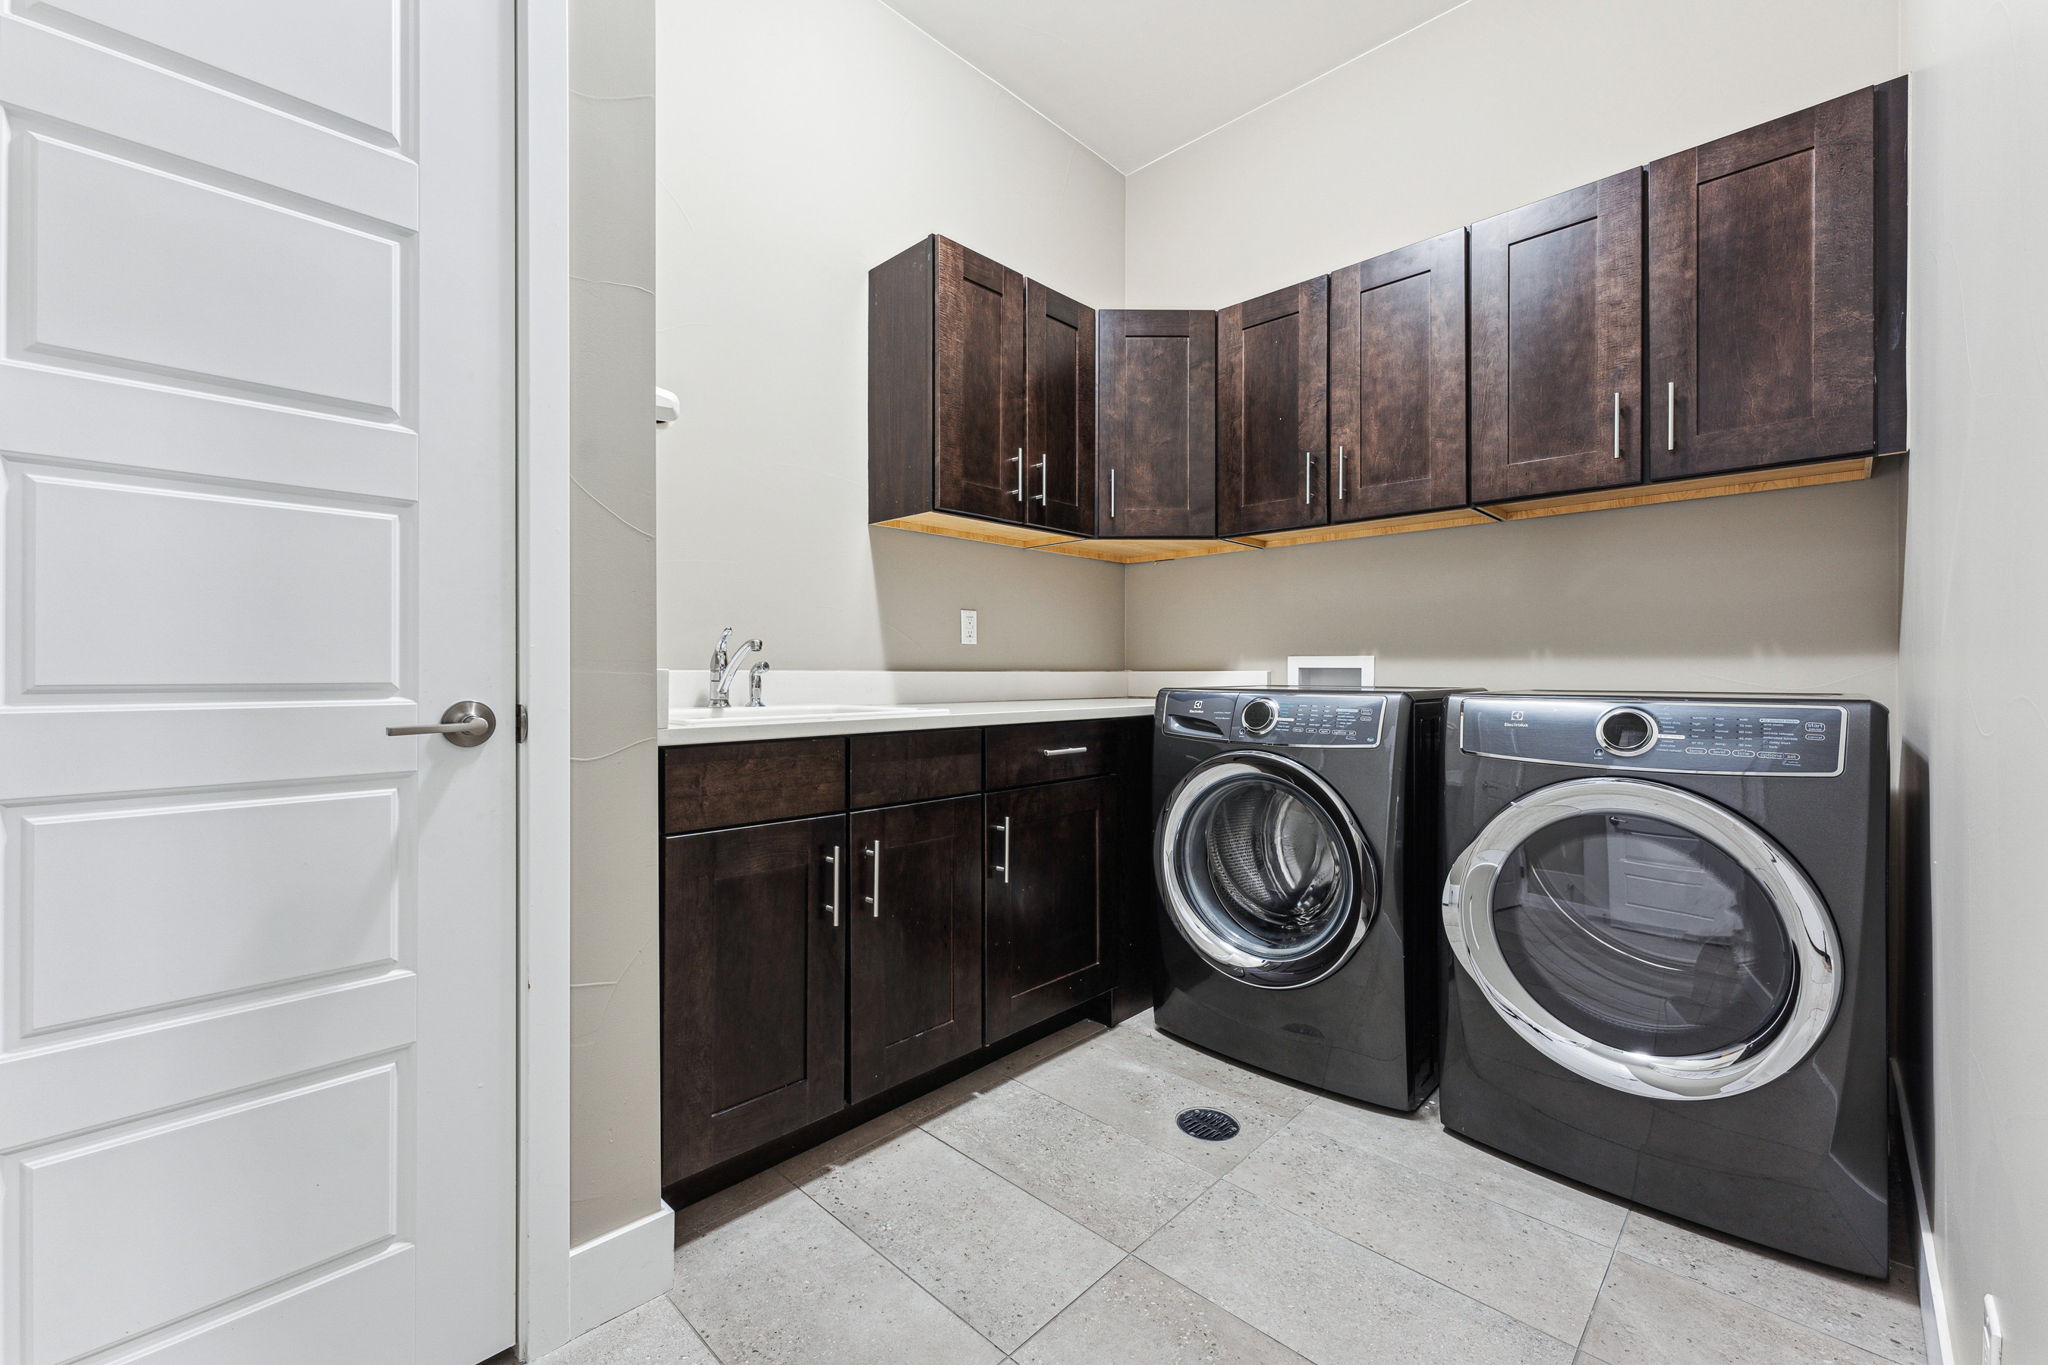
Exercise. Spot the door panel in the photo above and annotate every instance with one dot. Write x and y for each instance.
(1763, 321)
(981, 310)
(1051, 872)
(1557, 343)
(753, 987)
(1397, 382)
(1156, 424)
(915, 939)
(1059, 411)
(256, 504)
(1272, 423)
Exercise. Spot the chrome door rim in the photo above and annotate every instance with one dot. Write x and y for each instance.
(1468, 922)
(1189, 921)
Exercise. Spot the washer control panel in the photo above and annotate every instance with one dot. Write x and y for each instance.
(1302, 719)
(1664, 735)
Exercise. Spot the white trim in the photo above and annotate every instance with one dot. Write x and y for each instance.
(544, 1315)
(618, 1271)
(1933, 1287)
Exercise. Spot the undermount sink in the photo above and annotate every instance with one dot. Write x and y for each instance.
(692, 717)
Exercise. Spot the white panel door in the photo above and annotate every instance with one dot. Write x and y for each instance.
(257, 979)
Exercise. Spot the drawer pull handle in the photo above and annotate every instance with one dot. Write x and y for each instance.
(1004, 830)
(874, 896)
(832, 862)
(1062, 753)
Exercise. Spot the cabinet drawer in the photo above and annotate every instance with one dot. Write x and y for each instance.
(1019, 755)
(915, 765)
(716, 785)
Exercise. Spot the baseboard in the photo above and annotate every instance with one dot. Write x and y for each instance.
(1933, 1289)
(621, 1270)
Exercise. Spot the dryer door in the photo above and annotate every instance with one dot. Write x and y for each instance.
(1645, 938)
(1264, 871)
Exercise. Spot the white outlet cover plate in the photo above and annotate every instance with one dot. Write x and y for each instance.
(1315, 664)
(970, 627)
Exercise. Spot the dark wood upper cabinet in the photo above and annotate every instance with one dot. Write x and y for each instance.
(981, 398)
(981, 311)
(1059, 411)
(1766, 263)
(1052, 865)
(915, 940)
(1155, 424)
(1397, 382)
(1557, 343)
(1272, 416)
(753, 987)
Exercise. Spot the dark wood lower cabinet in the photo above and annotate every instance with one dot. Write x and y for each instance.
(1052, 904)
(753, 987)
(815, 969)
(914, 941)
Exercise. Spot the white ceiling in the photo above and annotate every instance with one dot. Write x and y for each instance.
(1134, 79)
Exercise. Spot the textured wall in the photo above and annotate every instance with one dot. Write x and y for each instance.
(801, 143)
(1973, 656)
(1492, 105)
(615, 1056)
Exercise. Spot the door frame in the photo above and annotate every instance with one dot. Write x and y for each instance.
(542, 282)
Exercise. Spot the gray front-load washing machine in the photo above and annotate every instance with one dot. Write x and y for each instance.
(1668, 919)
(1297, 860)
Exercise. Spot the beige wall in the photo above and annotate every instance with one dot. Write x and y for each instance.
(615, 1174)
(1974, 654)
(1490, 106)
(802, 142)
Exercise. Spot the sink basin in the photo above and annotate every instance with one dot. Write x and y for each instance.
(693, 717)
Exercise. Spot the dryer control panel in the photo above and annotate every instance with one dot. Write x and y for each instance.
(1351, 720)
(1658, 734)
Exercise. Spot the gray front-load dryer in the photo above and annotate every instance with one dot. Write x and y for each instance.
(1297, 861)
(1667, 915)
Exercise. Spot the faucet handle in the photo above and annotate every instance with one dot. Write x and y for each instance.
(724, 639)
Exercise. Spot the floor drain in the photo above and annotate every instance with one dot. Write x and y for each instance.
(1210, 1125)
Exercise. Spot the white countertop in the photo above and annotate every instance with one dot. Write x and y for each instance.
(939, 716)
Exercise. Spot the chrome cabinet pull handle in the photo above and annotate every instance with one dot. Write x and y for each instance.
(1062, 753)
(1308, 474)
(1044, 483)
(1340, 473)
(1004, 830)
(1617, 424)
(1671, 415)
(1018, 491)
(832, 862)
(1112, 495)
(874, 896)
(465, 725)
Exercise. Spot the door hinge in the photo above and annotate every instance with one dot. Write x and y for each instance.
(519, 724)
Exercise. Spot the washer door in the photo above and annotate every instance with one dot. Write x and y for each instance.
(1645, 938)
(1264, 870)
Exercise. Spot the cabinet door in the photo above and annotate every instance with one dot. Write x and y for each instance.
(1155, 424)
(1271, 414)
(1051, 893)
(753, 987)
(1763, 321)
(915, 940)
(1557, 343)
(1397, 382)
(1059, 411)
(980, 345)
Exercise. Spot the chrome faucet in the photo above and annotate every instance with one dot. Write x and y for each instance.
(723, 668)
(754, 683)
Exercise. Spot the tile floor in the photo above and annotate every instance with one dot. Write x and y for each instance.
(1046, 1211)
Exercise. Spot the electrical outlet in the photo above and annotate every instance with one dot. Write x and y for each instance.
(1994, 1333)
(970, 627)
